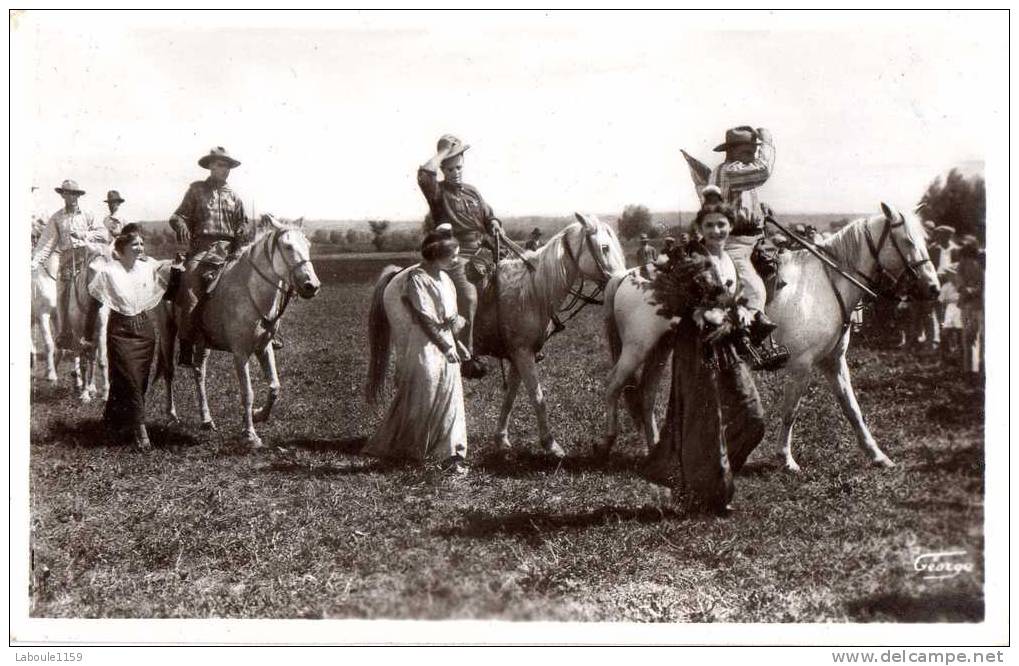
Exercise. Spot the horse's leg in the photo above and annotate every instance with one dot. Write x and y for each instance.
(625, 368)
(247, 398)
(201, 356)
(46, 329)
(796, 382)
(651, 379)
(523, 359)
(101, 359)
(267, 359)
(509, 397)
(837, 371)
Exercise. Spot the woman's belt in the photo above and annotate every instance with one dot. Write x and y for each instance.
(134, 322)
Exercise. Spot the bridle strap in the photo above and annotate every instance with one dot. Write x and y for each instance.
(284, 284)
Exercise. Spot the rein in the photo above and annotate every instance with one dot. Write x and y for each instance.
(581, 300)
(280, 282)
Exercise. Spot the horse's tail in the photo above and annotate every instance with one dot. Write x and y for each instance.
(166, 328)
(609, 314)
(378, 337)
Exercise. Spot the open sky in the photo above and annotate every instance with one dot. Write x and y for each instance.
(331, 113)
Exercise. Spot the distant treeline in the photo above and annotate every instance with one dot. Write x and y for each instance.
(402, 236)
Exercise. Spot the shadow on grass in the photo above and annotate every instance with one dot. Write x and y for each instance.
(530, 524)
(932, 607)
(968, 460)
(526, 463)
(312, 470)
(93, 433)
(350, 445)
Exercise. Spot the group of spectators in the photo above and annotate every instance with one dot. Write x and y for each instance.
(952, 326)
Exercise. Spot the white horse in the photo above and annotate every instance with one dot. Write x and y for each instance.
(811, 305)
(85, 364)
(44, 312)
(241, 314)
(513, 328)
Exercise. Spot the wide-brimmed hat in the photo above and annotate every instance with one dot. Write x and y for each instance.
(456, 146)
(643, 237)
(536, 231)
(69, 186)
(218, 153)
(738, 136)
(711, 190)
(669, 239)
(944, 229)
(113, 195)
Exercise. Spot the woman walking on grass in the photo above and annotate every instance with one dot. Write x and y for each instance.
(130, 284)
(426, 420)
(715, 418)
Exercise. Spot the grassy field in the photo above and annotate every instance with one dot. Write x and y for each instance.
(201, 527)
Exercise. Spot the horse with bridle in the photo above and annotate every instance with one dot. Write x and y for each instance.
(514, 313)
(241, 315)
(814, 294)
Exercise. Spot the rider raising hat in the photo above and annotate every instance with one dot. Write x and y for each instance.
(453, 202)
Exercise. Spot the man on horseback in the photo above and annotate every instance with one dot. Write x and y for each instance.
(114, 223)
(453, 202)
(749, 158)
(76, 236)
(211, 220)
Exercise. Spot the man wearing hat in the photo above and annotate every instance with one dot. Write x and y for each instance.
(646, 255)
(749, 157)
(453, 202)
(77, 236)
(211, 221)
(534, 242)
(113, 222)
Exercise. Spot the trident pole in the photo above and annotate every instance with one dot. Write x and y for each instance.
(769, 216)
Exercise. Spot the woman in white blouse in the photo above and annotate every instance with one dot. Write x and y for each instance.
(131, 284)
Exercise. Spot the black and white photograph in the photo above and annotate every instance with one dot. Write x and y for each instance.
(495, 328)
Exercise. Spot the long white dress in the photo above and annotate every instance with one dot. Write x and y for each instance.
(426, 419)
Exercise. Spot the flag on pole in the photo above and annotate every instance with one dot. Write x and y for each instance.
(700, 172)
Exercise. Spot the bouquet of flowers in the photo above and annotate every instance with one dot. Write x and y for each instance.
(690, 288)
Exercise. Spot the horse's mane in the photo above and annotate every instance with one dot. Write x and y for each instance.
(549, 281)
(847, 241)
(263, 230)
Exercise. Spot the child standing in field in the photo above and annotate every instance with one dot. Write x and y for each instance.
(427, 420)
(951, 320)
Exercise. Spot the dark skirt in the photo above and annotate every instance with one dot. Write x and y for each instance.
(714, 421)
(131, 345)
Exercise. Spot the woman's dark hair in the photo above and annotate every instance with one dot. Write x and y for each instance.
(439, 245)
(126, 237)
(720, 208)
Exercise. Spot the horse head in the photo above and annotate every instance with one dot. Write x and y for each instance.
(290, 246)
(897, 243)
(594, 247)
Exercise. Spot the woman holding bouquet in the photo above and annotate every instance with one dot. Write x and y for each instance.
(715, 418)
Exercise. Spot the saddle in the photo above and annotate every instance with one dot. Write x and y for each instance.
(210, 263)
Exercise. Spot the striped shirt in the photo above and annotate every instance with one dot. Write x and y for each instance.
(739, 181)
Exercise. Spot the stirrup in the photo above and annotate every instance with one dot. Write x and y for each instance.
(769, 355)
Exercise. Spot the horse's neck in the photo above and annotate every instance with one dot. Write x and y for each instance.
(263, 293)
(556, 271)
(852, 255)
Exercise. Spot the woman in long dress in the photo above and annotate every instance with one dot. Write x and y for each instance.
(131, 284)
(427, 421)
(715, 418)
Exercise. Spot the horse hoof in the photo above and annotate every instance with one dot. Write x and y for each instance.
(553, 449)
(791, 466)
(502, 444)
(254, 441)
(52, 378)
(85, 398)
(883, 462)
(208, 425)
